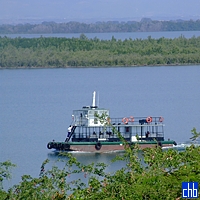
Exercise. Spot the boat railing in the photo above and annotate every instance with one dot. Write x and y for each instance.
(133, 121)
(143, 131)
(143, 127)
(153, 121)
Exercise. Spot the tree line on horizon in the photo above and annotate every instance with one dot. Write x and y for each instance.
(145, 25)
(83, 52)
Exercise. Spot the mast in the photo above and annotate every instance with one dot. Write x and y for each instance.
(94, 100)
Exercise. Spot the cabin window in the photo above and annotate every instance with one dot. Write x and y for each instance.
(95, 121)
(91, 112)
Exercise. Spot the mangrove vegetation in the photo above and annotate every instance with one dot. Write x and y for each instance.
(83, 52)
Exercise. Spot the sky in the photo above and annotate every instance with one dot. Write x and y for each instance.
(99, 10)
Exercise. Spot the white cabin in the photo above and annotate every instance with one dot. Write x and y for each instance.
(87, 115)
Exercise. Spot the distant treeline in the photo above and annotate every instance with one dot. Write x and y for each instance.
(84, 52)
(145, 25)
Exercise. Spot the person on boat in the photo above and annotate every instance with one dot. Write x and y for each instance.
(68, 133)
(147, 134)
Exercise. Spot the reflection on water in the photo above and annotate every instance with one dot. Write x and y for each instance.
(88, 158)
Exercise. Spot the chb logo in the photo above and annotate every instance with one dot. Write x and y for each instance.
(189, 190)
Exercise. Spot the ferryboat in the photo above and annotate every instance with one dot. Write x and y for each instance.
(90, 133)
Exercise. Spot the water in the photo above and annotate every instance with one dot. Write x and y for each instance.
(36, 106)
(108, 36)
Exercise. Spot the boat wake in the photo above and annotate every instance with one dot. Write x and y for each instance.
(181, 146)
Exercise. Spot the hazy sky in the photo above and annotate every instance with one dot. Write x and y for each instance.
(99, 9)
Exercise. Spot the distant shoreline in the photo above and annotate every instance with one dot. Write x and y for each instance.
(145, 25)
(79, 67)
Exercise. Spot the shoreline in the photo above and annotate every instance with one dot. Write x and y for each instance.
(116, 66)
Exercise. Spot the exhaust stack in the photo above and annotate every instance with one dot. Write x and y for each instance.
(94, 100)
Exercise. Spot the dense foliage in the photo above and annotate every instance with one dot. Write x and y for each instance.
(145, 25)
(77, 52)
(160, 176)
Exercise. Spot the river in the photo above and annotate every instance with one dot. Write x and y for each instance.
(36, 106)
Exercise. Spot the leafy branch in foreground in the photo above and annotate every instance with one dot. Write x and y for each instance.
(195, 134)
(5, 171)
(153, 173)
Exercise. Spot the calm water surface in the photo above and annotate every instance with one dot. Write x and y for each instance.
(108, 36)
(36, 106)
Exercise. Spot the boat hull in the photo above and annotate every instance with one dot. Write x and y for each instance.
(100, 147)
